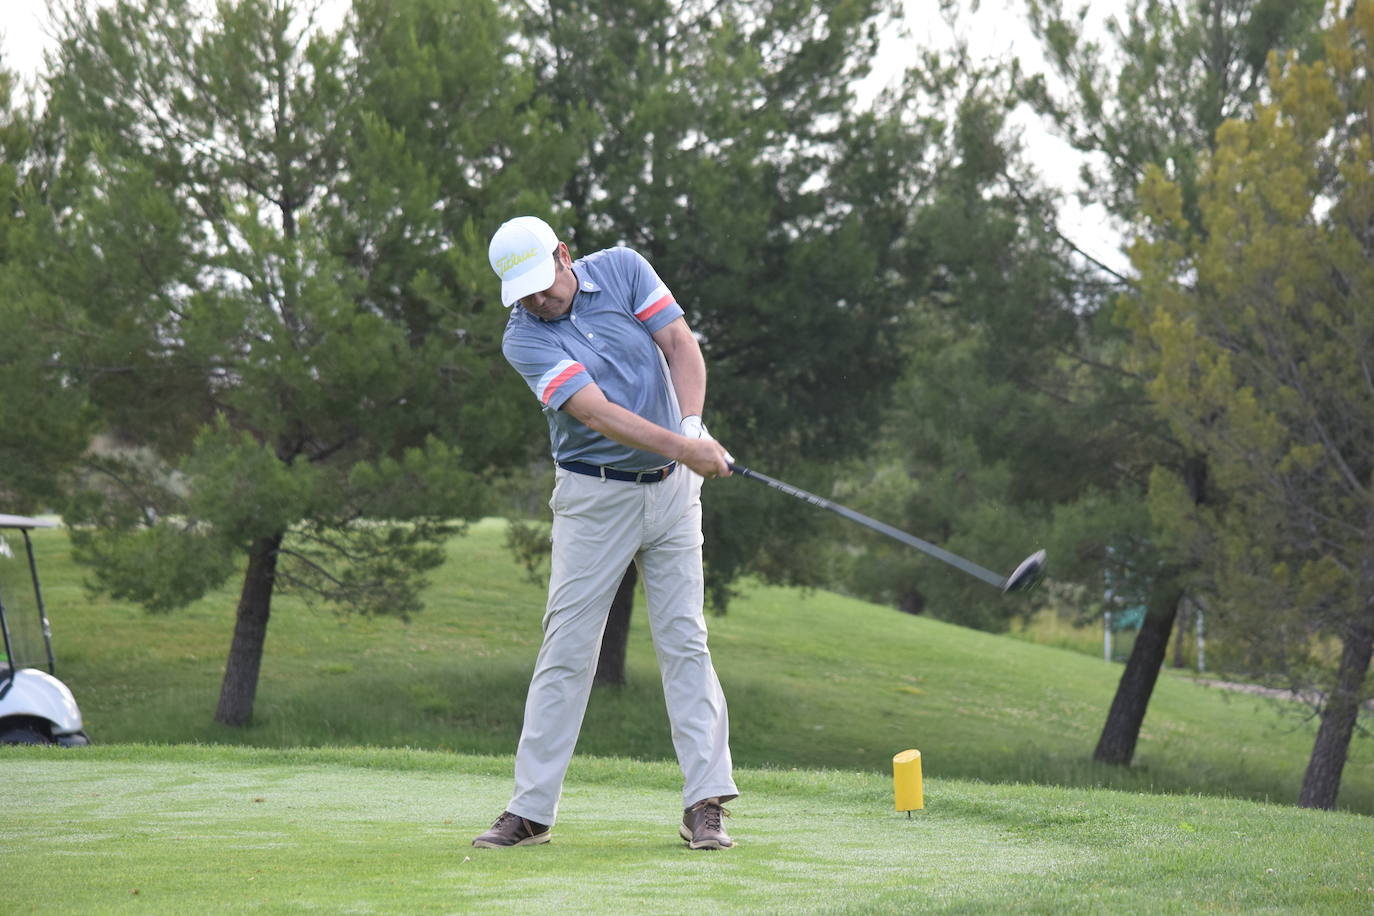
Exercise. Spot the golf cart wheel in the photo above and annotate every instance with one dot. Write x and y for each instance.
(23, 734)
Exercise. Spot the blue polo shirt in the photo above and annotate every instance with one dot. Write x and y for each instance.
(605, 337)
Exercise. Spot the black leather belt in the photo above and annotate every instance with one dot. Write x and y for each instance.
(596, 470)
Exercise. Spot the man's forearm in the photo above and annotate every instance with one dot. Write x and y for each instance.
(590, 406)
(689, 382)
(611, 420)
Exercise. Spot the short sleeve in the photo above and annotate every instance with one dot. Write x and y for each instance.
(551, 374)
(652, 303)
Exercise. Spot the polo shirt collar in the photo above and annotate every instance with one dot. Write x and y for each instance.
(584, 285)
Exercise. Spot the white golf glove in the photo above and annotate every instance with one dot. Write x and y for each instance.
(693, 428)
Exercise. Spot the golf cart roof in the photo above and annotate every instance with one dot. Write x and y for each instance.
(23, 521)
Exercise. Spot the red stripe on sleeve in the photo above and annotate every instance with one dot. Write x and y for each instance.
(651, 311)
(560, 378)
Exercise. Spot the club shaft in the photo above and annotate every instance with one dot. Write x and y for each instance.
(939, 553)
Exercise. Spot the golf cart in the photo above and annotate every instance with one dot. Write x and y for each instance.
(35, 707)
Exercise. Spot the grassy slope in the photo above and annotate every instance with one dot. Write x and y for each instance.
(186, 829)
(813, 680)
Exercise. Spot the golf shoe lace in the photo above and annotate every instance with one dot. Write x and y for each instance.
(712, 814)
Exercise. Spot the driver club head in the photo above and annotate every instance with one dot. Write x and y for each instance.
(1028, 575)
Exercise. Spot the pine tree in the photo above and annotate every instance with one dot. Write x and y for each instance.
(1260, 328)
(264, 264)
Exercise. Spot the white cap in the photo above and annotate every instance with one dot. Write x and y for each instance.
(521, 253)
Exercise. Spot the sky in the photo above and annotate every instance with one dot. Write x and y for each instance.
(996, 28)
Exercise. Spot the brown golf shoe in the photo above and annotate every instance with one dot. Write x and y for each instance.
(702, 826)
(512, 830)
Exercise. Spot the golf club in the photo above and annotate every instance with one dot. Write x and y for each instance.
(1024, 578)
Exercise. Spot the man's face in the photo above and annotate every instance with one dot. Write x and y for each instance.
(555, 301)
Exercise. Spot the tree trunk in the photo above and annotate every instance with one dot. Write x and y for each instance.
(240, 686)
(1116, 745)
(1322, 781)
(610, 667)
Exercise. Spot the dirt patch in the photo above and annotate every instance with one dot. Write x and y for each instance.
(1312, 698)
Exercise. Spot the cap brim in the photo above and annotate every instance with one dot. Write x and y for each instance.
(535, 279)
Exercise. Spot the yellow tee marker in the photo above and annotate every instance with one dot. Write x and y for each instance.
(906, 781)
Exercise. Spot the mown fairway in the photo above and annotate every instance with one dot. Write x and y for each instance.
(208, 830)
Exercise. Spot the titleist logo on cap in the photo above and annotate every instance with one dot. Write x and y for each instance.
(507, 263)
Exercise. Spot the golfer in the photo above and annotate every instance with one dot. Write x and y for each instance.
(606, 350)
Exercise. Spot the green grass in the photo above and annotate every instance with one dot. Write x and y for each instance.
(814, 680)
(137, 829)
(380, 748)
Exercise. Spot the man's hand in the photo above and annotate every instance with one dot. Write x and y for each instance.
(712, 462)
(706, 457)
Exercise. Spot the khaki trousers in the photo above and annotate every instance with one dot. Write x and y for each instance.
(598, 526)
